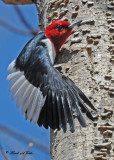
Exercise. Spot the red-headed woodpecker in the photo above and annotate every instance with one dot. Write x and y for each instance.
(45, 95)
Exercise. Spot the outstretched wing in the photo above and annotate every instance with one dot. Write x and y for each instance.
(45, 95)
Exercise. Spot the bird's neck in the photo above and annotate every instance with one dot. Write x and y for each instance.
(57, 42)
(51, 49)
(58, 39)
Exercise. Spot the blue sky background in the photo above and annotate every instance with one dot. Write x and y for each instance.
(11, 45)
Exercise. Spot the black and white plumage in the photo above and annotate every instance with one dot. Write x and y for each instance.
(45, 95)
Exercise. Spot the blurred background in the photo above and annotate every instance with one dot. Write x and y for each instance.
(17, 135)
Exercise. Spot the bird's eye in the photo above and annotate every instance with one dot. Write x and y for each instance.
(60, 27)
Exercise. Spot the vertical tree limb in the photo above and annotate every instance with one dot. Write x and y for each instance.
(86, 60)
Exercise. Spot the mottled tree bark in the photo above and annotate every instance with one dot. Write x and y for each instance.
(87, 58)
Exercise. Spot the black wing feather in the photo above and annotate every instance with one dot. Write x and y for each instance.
(85, 99)
(62, 96)
(82, 105)
(63, 117)
(58, 108)
(55, 112)
(76, 108)
(69, 112)
(51, 120)
(65, 112)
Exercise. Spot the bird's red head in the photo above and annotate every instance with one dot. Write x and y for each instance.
(58, 32)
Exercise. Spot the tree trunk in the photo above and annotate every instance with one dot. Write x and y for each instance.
(87, 58)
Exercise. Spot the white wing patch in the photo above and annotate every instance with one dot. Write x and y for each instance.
(28, 96)
(38, 109)
(11, 66)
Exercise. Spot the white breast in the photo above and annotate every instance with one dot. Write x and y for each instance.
(51, 49)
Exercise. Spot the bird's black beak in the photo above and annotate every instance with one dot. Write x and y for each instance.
(74, 24)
